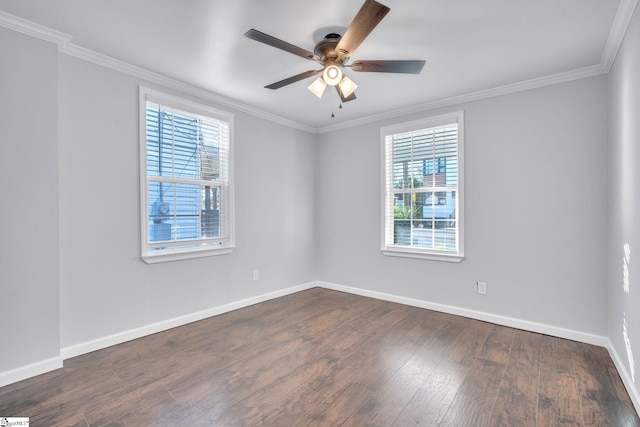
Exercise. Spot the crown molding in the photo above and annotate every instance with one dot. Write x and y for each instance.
(182, 87)
(32, 29)
(581, 73)
(616, 36)
(618, 30)
(64, 46)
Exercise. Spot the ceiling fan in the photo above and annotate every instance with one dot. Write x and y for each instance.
(334, 52)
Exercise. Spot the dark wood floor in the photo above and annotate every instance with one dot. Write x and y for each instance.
(327, 358)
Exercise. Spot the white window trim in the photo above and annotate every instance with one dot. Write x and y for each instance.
(412, 252)
(152, 257)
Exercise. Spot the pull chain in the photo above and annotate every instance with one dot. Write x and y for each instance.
(339, 107)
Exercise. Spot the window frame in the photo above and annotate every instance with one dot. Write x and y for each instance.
(387, 207)
(173, 253)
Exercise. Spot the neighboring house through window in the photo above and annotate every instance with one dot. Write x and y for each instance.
(186, 179)
(423, 188)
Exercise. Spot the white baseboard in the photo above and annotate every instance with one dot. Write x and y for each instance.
(25, 372)
(28, 371)
(108, 341)
(42, 367)
(478, 315)
(634, 394)
(598, 340)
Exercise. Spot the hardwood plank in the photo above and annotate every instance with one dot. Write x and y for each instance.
(256, 408)
(137, 408)
(296, 368)
(462, 340)
(478, 393)
(517, 398)
(335, 410)
(602, 404)
(344, 365)
(55, 401)
(322, 357)
(392, 395)
(558, 401)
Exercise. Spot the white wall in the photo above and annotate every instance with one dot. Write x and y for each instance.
(29, 326)
(535, 210)
(624, 202)
(105, 288)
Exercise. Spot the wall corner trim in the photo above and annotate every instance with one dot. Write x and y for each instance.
(631, 387)
(564, 77)
(28, 371)
(97, 58)
(617, 33)
(38, 368)
(121, 337)
(511, 322)
(32, 29)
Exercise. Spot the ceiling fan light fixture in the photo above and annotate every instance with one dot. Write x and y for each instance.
(334, 52)
(347, 86)
(332, 75)
(317, 87)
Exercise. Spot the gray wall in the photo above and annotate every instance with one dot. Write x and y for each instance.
(536, 211)
(29, 313)
(624, 202)
(105, 288)
(307, 208)
(70, 268)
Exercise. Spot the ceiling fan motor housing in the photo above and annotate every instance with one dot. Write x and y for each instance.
(326, 49)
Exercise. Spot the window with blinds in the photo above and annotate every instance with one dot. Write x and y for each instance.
(422, 185)
(186, 186)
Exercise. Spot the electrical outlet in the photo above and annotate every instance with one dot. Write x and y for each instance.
(481, 287)
(256, 275)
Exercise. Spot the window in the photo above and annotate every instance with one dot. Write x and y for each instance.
(437, 165)
(186, 179)
(422, 188)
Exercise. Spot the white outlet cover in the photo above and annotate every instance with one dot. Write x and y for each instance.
(482, 288)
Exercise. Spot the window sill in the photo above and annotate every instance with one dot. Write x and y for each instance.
(182, 255)
(419, 254)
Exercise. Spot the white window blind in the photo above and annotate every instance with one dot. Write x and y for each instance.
(422, 186)
(186, 185)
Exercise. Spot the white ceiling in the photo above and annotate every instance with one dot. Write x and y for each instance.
(469, 45)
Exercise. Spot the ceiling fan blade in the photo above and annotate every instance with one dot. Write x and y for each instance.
(393, 66)
(293, 79)
(369, 15)
(346, 98)
(280, 44)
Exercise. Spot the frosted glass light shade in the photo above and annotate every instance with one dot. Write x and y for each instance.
(347, 86)
(332, 75)
(317, 87)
